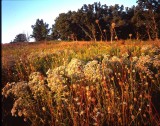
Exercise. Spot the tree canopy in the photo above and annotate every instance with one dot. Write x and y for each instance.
(40, 30)
(101, 22)
(21, 38)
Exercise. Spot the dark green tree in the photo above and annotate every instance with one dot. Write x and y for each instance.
(20, 38)
(66, 28)
(148, 15)
(54, 34)
(94, 22)
(63, 25)
(40, 30)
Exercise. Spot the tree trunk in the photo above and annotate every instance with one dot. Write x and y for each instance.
(149, 36)
(155, 28)
(85, 32)
(137, 35)
(111, 35)
(155, 25)
(100, 31)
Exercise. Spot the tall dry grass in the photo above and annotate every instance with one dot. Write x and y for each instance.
(82, 83)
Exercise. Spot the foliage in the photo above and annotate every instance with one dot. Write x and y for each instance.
(94, 22)
(146, 19)
(40, 30)
(142, 21)
(21, 38)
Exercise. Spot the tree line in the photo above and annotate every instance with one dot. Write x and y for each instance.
(98, 22)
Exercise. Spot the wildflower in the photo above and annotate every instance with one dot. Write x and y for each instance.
(109, 109)
(44, 109)
(95, 109)
(156, 75)
(133, 71)
(78, 103)
(119, 114)
(135, 99)
(124, 103)
(55, 81)
(36, 77)
(108, 71)
(144, 115)
(125, 55)
(156, 62)
(95, 124)
(87, 88)
(74, 69)
(115, 59)
(76, 112)
(25, 119)
(93, 71)
(74, 86)
(106, 58)
(140, 95)
(76, 99)
(20, 113)
(112, 92)
(132, 117)
(134, 59)
(93, 100)
(144, 63)
(112, 78)
(146, 48)
(82, 112)
(130, 35)
(97, 114)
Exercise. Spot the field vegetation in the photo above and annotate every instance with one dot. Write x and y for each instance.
(82, 83)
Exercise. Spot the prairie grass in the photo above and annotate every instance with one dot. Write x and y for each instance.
(83, 83)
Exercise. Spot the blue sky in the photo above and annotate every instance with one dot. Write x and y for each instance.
(19, 15)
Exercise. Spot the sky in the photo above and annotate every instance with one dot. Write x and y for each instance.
(19, 15)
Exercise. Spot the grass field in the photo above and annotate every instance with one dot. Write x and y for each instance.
(83, 83)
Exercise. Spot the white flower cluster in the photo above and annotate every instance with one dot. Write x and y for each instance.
(135, 59)
(36, 77)
(93, 71)
(18, 89)
(154, 50)
(150, 49)
(56, 78)
(37, 84)
(146, 48)
(144, 61)
(145, 64)
(75, 69)
(20, 107)
(115, 59)
(125, 55)
(156, 61)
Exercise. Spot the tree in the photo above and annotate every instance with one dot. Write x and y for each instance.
(95, 22)
(66, 26)
(20, 38)
(63, 25)
(54, 33)
(40, 30)
(150, 11)
(79, 19)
